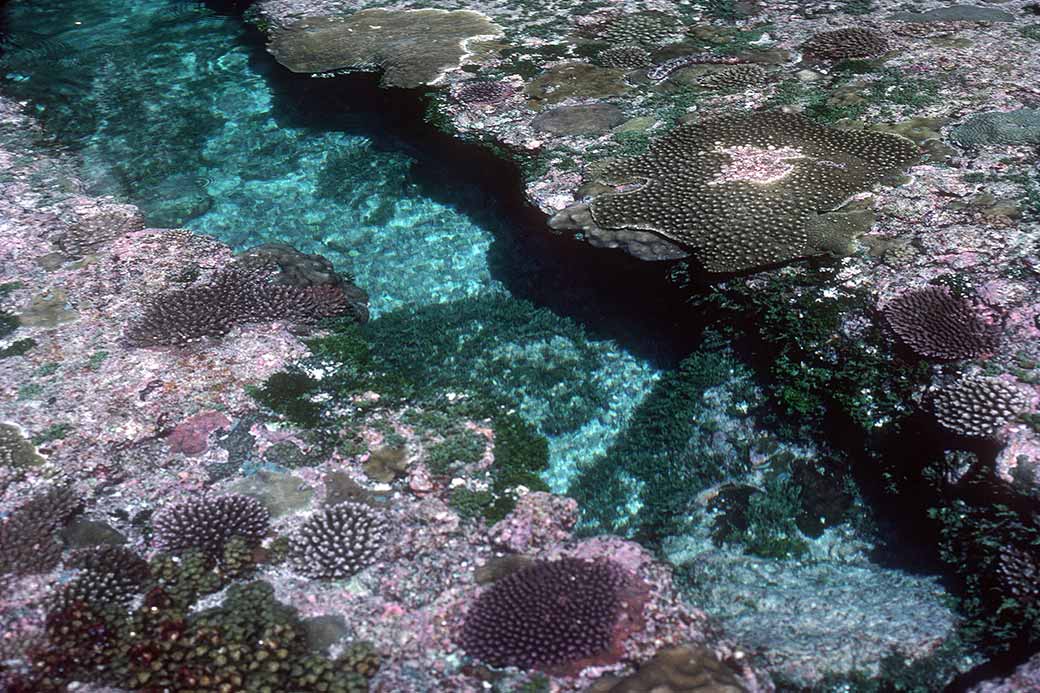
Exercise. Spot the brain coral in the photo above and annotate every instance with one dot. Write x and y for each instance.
(978, 406)
(747, 190)
(937, 325)
(846, 43)
(549, 614)
(412, 47)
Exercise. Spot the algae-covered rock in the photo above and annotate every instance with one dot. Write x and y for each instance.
(956, 13)
(576, 80)
(588, 119)
(412, 47)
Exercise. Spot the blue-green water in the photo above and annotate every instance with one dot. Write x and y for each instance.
(178, 110)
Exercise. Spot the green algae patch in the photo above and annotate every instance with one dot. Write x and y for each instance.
(413, 48)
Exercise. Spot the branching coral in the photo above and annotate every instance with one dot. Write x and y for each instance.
(744, 191)
(978, 406)
(251, 642)
(843, 44)
(107, 574)
(337, 542)
(937, 325)
(628, 57)
(209, 523)
(481, 92)
(236, 296)
(549, 614)
(27, 538)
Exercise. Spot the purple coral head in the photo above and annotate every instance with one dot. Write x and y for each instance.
(939, 326)
(548, 615)
(209, 523)
(481, 91)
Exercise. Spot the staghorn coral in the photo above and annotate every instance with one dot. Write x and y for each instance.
(236, 296)
(937, 325)
(844, 44)
(549, 614)
(978, 406)
(743, 191)
(628, 57)
(28, 544)
(337, 542)
(210, 523)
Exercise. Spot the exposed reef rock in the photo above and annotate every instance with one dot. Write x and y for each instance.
(412, 48)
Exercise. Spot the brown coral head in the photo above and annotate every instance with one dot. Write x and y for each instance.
(939, 326)
(558, 616)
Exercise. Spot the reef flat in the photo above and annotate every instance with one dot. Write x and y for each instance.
(217, 472)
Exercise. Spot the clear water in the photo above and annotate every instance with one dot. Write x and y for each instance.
(178, 110)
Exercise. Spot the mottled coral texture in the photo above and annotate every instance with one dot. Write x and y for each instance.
(547, 615)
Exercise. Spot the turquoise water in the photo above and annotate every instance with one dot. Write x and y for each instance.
(178, 110)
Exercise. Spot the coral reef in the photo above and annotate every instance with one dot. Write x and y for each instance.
(234, 297)
(28, 537)
(548, 614)
(843, 44)
(744, 191)
(338, 541)
(1020, 127)
(937, 325)
(978, 406)
(210, 523)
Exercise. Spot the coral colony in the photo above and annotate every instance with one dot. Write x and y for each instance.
(577, 346)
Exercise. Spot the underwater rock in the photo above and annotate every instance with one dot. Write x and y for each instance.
(828, 618)
(191, 436)
(412, 48)
(589, 119)
(281, 493)
(538, 520)
(955, 13)
(681, 669)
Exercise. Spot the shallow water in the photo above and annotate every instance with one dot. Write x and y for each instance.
(179, 110)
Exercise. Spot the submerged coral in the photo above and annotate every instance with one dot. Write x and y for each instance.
(383, 39)
(549, 614)
(843, 44)
(210, 523)
(337, 542)
(938, 325)
(744, 191)
(978, 406)
(234, 297)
